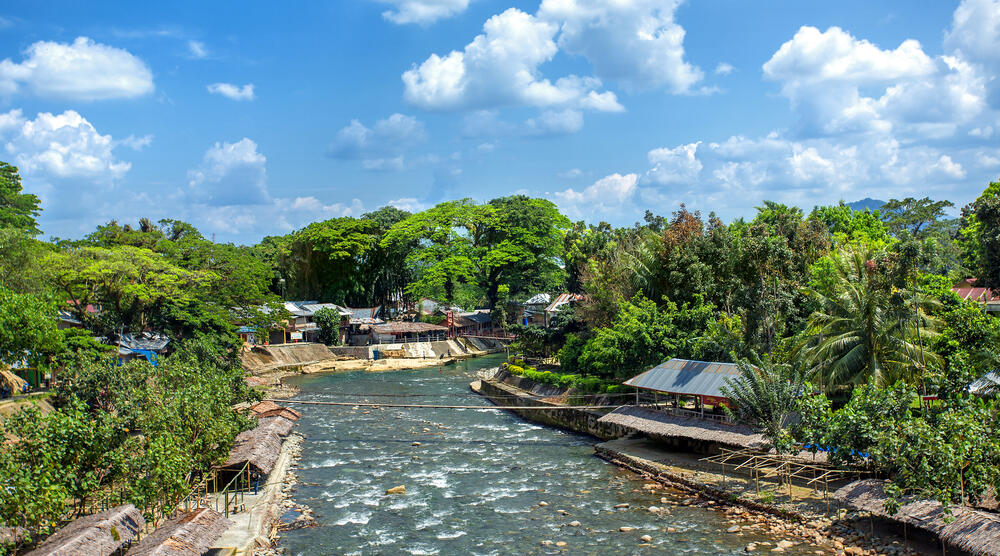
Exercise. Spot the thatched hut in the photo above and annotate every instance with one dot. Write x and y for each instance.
(188, 534)
(664, 426)
(259, 447)
(278, 425)
(974, 531)
(101, 533)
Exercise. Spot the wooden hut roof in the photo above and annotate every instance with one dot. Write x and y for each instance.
(188, 534)
(974, 531)
(100, 533)
(658, 423)
(268, 409)
(259, 447)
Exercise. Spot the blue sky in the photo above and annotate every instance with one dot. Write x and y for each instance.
(249, 122)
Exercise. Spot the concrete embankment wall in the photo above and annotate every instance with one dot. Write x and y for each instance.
(266, 358)
(457, 347)
(576, 420)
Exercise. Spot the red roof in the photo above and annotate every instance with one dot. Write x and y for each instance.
(967, 290)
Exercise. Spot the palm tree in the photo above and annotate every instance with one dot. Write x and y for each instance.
(764, 395)
(864, 329)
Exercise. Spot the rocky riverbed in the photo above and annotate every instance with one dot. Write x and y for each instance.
(487, 482)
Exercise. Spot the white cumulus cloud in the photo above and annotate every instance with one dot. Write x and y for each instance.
(81, 70)
(609, 195)
(230, 91)
(837, 84)
(422, 12)
(634, 42)
(501, 68)
(230, 174)
(66, 162)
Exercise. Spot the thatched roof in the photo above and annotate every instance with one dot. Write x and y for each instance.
(277, 424)
(407, 328)
(657, 423)
(270, 409)
(974, 531)
(260, 447)
(13, 381)
(101, 533)
(189, 534)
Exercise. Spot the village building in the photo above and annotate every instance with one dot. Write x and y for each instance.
(560, 302)
(533, 310)
(398, 332)
(148, 345)
(967, 290)
(473, 323)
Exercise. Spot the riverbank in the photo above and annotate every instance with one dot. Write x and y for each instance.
(254, 530)
(483, 482)
(806, 517)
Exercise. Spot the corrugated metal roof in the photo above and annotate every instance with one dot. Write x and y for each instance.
(313, 307)
(976, 294)
(538, 299)
(563, 299)
(683, 376)
(478, 317)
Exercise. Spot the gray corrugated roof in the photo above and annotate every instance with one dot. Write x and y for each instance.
(313, 307)
(539, 299)
(682, 376)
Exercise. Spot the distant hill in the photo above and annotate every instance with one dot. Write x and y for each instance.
(866, 203)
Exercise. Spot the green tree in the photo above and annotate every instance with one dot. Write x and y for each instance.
(644, 334)
(444, 260)
(980, 237)
(27, 328)
(860, 331)
(328, 321)
(17, 210)
(916, 217)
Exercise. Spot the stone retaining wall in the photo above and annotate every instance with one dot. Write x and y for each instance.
(576, 420)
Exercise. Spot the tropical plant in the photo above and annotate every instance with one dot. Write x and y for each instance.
(765, 396)
(863, 329)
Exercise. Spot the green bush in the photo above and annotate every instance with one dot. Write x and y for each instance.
(584, 384)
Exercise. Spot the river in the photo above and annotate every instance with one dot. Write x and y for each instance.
(474, 484)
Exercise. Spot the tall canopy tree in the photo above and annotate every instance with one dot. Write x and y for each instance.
(980, 237)
(17, 210)
(917, 217)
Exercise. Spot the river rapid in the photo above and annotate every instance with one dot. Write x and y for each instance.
(475, 481)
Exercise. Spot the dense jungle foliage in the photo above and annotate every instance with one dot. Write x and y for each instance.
(842, 318)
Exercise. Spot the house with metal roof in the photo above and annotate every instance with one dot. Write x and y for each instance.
(562, 300)
(967, 290)
(702, 380)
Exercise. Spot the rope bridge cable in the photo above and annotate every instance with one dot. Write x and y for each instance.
(425, 406)
(465, 395)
